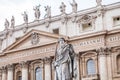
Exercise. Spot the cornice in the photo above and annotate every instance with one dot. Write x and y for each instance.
(88, 35)
(112, 6)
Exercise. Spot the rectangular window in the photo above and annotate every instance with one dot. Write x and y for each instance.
(87, 27)
(56, 31)
(116, 21)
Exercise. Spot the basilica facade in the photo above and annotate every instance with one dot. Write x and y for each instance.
(27, 51)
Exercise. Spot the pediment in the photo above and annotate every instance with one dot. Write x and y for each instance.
(32, 39)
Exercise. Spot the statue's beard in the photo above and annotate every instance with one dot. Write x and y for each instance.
(62, 45)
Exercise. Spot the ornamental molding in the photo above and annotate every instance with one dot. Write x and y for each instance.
(35, 38)
(86, 19)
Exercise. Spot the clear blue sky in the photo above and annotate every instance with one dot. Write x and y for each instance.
(17, 7)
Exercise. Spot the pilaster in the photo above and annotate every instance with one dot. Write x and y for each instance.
(4, 73)
(10, 72)
(24, 66)
(48, 68)
(103, 63)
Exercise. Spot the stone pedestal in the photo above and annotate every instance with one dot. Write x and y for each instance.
(10, 72)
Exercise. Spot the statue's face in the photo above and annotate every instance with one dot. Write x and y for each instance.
(61, 42)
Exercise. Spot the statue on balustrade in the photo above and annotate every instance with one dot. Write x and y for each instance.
(74, 6)
(64, 61)
(48, 11)
(12, 22)
(25, 17)
(37, 12)
(6, 24)
(62, 8)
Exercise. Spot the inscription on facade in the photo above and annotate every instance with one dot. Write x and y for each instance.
(26, 54)
(88, 42)
(114, 38)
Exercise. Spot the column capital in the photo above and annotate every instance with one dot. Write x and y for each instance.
(47, 60)
(24, 64)
(4, 69)
(104, 50)
(10, 67)
(101, 51)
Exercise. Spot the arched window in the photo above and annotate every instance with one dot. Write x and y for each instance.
(38, 73)
(90, 67)
(19, 75)
(118, 63)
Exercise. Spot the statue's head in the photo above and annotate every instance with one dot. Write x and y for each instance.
(61, 41)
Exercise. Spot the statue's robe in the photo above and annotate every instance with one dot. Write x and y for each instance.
(65, 63)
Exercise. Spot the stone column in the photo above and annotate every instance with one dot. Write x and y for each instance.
(109, 63)
(4, 76)
(24, 66)
(48, 72)
(10, 72)
(103, 64)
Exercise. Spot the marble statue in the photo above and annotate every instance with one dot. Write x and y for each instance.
(74, 6)
(48, 11)
(64, 61)
(6, 24)
(12, 22)
(37, 12)
(25, 17)
(62, 8)
(98, 2)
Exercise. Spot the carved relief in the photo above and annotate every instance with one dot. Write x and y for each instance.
(35, 38)
(86, 19)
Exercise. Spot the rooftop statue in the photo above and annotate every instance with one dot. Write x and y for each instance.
(6, 24)
(37, 12)
(74, 6)
(25, 17)
(48, 11)
(99, 2)
(12, 22)
(62, 8)
(64, 61)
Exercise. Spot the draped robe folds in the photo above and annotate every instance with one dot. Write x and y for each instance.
(64, 63)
